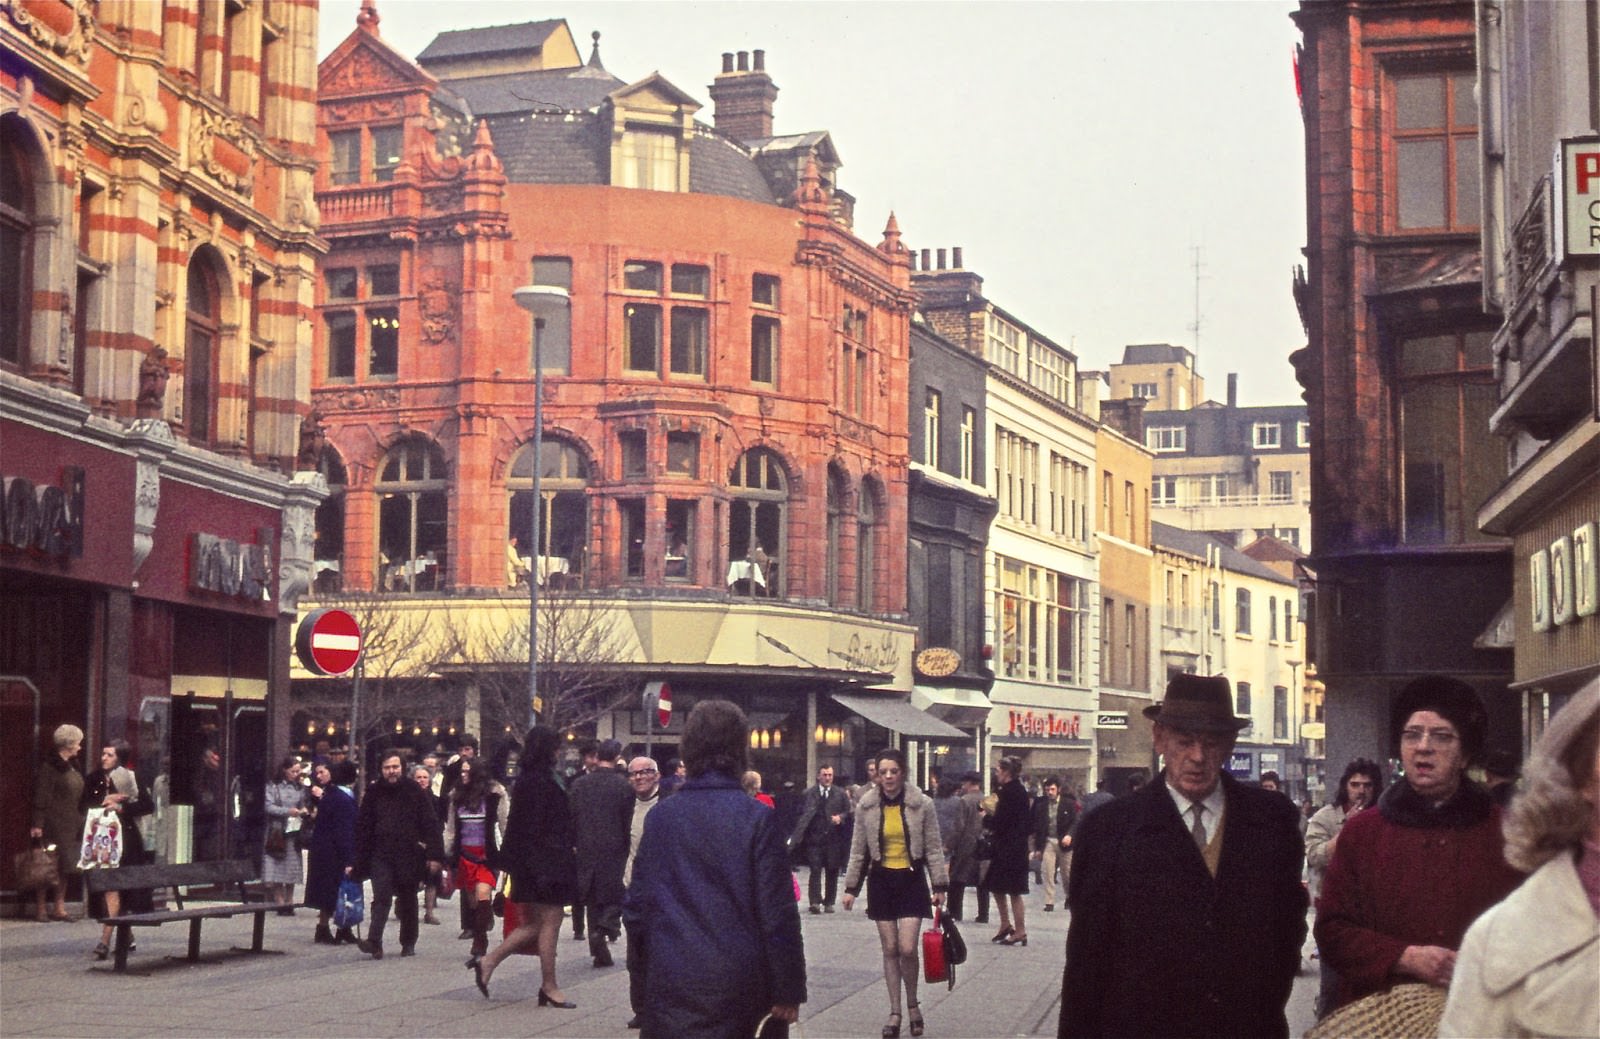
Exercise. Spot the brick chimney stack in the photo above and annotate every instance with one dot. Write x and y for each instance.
(742, 97)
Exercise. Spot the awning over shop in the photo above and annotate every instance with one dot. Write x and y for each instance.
(950, 704)
(899, 716)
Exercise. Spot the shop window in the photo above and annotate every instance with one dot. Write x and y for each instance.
(328, 553)
(16, 240)
(765, 290)
(683, 454)
(689, 334)
(345, 167)
(563, 517)
(641, 276)
(641, 337)
(631, 513)
(680, 539)
(757, 520)
(1447, 393)
(555, 336)
(1433, 151)
(413, 518)
(202, 349)
(764, 350)
(386, 147)
(341, 345)
(691, 279)
(632, 443)
(866, 547)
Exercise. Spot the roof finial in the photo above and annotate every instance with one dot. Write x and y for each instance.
(594, 52)
(891, 244)
(368, 17)
(810, 192)
(483, 158)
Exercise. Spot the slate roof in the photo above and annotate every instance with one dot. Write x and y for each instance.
(717, 166)
(570, 90)
(552, 148)
(1153, 353)
(1194, 542)
(491, 39)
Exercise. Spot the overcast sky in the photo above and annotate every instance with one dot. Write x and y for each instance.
(1079, 153)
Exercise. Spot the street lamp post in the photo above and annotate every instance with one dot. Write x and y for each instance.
(542, 301)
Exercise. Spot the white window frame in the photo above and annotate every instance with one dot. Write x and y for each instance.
(1167, 439)
(1266, 435)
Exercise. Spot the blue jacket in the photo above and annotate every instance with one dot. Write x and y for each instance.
(712, 909)
(333, 847)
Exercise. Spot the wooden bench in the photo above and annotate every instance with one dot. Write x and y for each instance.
(230, 876)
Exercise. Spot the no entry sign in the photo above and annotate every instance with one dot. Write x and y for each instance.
(658, 697)
(328, 642)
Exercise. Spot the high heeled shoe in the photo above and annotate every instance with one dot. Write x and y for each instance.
(892, 1031)
(101, 951)
(914, 1012)
(1004, 933)
(1016, 939)
(483, 985)
(547, 1000)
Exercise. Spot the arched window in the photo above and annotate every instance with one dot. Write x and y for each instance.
(563, 519)
(838, 494)
(866, 545)
(201, 354)
(413, 518)
(16, 241)
(328, 558)
(757, 523)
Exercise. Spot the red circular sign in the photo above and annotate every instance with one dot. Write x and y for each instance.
(664, 705)
(328, 642)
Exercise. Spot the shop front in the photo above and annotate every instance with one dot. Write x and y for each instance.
(1050, 742)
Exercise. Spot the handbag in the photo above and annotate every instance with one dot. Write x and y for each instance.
(772, 1028)
(36, 867)
(934, 965)
(1413, 1009)
(102, 840)
(351, 906)
(446, 883)
(277, 839)
(984, 849)
(955, 946)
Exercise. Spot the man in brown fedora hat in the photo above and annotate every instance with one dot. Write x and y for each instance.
(1187, 908)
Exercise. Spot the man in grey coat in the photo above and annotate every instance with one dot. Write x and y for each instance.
(602, 816)
(820, 831)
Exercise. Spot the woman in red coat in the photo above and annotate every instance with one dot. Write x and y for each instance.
(1406, 881)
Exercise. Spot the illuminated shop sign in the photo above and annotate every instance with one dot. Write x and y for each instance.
(1047, 725)
(225, 567)
(45, 520)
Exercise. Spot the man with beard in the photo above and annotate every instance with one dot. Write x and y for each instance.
(398, 843)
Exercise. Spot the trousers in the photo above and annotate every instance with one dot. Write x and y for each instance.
(387, 890)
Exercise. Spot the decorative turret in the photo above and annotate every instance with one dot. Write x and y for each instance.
(810, 195)
(367, 18)
(891, 244)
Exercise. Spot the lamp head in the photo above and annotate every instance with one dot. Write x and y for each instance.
(542, 301)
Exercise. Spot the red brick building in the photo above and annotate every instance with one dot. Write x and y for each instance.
(724, 442)
(157, 249)
(1399, 377)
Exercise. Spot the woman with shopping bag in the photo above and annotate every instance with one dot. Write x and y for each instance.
(57, 819)
(111, 801)
(896, 850)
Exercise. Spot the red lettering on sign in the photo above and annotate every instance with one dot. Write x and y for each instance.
(1046, 726)
(1588, 169)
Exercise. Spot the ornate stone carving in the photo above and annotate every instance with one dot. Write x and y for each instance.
(66, 29)
(298, 542)
(154, 371)
(361, 399)
(152, 441)
(222, 147)
(437, 302)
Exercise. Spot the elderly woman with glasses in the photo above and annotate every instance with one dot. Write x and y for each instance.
(1406, 881)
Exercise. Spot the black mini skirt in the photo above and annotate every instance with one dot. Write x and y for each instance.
(897, 894)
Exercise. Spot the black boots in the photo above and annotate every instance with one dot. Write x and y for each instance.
(345, 936)
(482, 919)
(324, 936)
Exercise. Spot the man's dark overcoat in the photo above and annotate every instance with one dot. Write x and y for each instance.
(396, 824)
(1157, 946)
(815, 830)
(602, 817)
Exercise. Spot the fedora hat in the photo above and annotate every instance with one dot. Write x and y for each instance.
(1197, 703)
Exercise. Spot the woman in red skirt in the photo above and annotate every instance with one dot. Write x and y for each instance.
(476, 818)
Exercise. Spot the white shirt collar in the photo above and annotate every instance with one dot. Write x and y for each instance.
(1212, 803)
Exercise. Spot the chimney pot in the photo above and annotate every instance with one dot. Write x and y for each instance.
(727, 61)
(744, 61)
(955, 257)
(941, 259)
(1233, 389)
(925, 265)
(760, 60)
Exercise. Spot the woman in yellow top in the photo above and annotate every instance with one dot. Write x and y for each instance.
(897, 847)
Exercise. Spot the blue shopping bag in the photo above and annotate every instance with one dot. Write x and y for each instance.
(351, 907)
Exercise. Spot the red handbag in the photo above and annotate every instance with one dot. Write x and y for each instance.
(934, 967)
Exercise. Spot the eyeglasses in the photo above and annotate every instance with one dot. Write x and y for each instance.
(1438, 737)
(638, 772)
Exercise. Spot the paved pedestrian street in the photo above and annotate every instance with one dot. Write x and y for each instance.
(50, 985)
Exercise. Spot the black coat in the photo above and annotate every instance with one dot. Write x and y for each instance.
(713, 913)
(815, 830)
(1009, 826)
(333, 847)
(602, 818)
(1066, 815)
(1157, 946)
(538, 846)
(397, 825)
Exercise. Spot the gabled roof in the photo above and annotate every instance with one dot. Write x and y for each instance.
(819, 141)
(363, 59)
(657, 84)
(492, 39)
